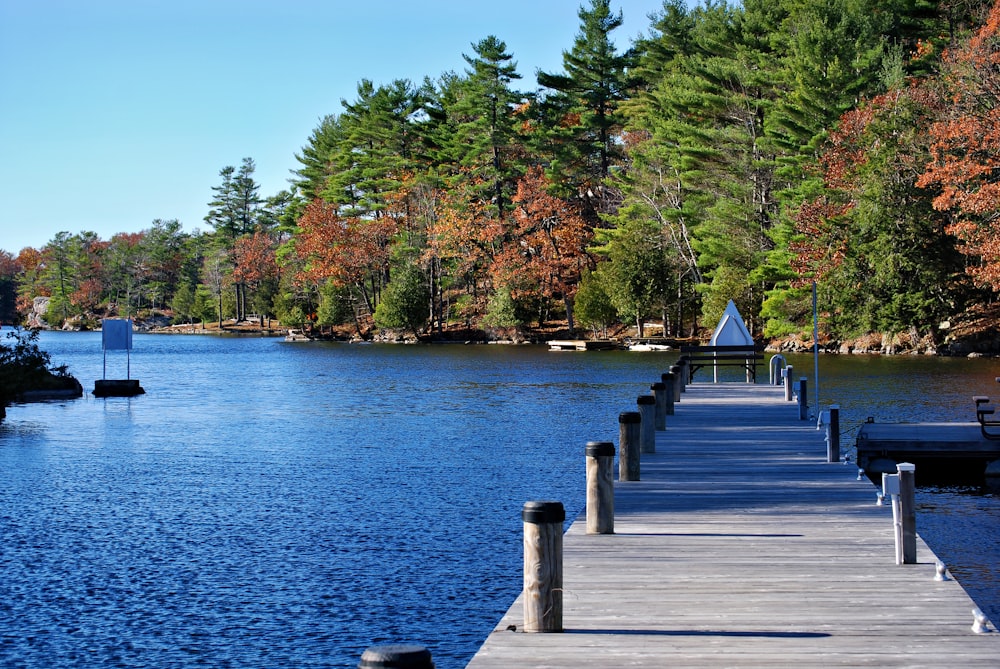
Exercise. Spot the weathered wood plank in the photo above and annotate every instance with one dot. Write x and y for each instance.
(742, 547)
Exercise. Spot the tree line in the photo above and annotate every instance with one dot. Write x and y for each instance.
(735, 151)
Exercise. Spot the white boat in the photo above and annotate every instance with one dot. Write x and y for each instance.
(296, 335)
(639, 346)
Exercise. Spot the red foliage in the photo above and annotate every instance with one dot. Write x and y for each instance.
(822, 247)
(255, 260)
(547, 246)
(346, 250)
(462, 230)
(965, 150)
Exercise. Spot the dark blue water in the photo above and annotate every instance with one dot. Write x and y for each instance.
(277, 504)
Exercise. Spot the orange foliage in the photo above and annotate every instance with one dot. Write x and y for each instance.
(255, 259)
(965, 150)
(346, 250)
(9, 266)
(548, 243)
(463, 230)
(822, 249)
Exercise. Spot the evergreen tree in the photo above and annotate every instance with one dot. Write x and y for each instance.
(316, 158)
(406, 301)
(579, 110)
(376, 151)
(483, 142)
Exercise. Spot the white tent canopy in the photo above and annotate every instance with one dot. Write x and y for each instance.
(731, 331)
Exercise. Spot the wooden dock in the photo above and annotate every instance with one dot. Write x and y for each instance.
(584, 345)
(742, 547)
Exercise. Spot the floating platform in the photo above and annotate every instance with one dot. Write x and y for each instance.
(117, 388)
(584, 345)
(946, 449)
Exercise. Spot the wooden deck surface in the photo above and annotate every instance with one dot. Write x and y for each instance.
(742, 547)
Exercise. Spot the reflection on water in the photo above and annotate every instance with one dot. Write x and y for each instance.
(278, 504)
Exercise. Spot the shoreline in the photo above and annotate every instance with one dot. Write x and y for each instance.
(981, 344)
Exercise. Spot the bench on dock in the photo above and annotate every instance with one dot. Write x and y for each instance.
(984, 413)
(747, 357)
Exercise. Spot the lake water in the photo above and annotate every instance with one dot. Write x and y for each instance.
(289, 504)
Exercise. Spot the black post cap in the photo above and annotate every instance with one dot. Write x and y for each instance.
(396, 656)
(630, 417)
(537, 513)
(596, 449)
(659, 385)
(645, 399)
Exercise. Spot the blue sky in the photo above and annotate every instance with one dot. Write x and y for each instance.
(114, 113)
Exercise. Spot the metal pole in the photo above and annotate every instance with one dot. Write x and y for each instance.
(815, 345)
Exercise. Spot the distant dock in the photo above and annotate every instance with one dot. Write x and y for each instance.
(584, 345)
(741, 546)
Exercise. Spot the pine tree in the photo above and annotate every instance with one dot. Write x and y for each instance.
(579, 111)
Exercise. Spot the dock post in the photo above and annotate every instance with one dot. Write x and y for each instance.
(659, 390)
(628, 445)
(647, 423)
(600, 487)
(774, 367)
(787, 375)
(543, 568)
(685, 365)
(803, 400)
(406, 655)
(833, 435)
(668, 381)
(677, 372)
(908, 511)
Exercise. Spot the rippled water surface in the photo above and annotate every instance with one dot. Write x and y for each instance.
(289, 504)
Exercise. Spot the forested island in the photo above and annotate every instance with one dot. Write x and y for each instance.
(735, 151)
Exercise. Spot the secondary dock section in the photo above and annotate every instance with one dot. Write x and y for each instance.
(741, 546)
(949, 449)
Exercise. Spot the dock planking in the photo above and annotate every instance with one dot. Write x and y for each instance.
(742, 547)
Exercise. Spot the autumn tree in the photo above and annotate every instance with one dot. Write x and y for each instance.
(348, 251)
(965, 150)
(255, 266)
(548, 247)
(885, 259)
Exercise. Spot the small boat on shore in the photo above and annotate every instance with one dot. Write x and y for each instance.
(639, 346)
(296, 335)
(649, 344)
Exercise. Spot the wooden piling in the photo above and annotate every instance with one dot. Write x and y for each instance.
(668, 381)
(543, 566)
(787, 375)
(833, 435)
(600, 487)
(803, 399)
(676, 372)
(647, 424)
(908, 511)
(629, 424)
(396, 655)
(659, 390)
